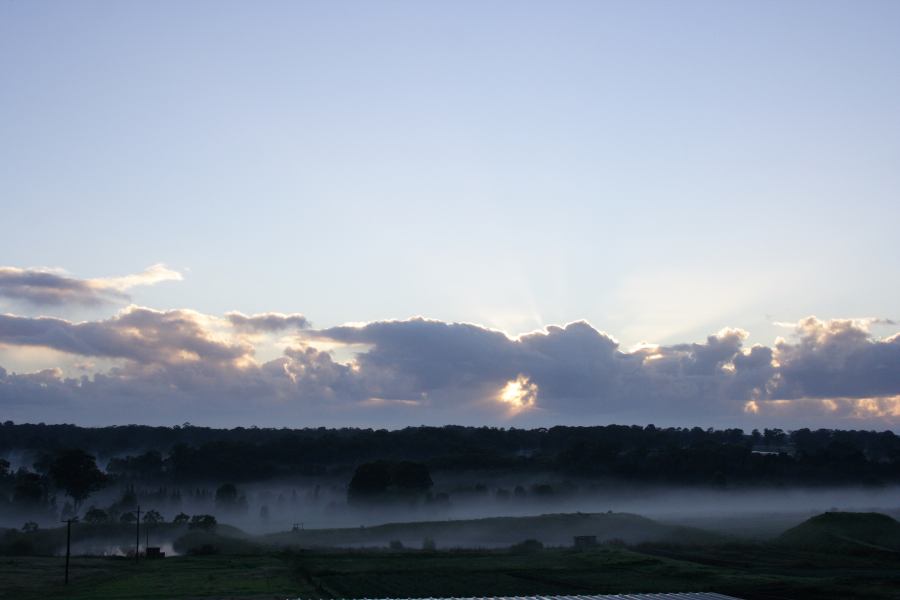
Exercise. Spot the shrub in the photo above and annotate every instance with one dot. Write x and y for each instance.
(527, 547)
(205, 522)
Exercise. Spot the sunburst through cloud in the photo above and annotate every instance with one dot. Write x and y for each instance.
(519, 394)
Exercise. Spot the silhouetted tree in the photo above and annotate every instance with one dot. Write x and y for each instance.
(95, 516)
(152, 517)
(146, 466)
(76, 472)
(226, 496)
(411, 477)
(369, 480)
(385, 480)
(29, 489)
(205, 522)
(674, 455)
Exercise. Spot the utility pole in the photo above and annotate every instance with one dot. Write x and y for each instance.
(137, 541)
(68, 523)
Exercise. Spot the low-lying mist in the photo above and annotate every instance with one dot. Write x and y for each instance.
(259, 482)
(267, 507)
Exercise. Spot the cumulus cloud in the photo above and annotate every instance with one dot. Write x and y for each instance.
(270, 322)
(420, 370)
(574, 368)
(138, 334)
(45, 287)
(837, 358)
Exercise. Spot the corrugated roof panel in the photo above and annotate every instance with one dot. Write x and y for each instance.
(673, 596)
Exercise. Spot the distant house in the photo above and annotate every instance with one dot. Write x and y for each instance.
(765, 452)
(770, 450)
(585, 541)
(155, 552)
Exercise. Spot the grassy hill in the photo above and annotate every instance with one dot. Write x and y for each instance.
(495, 532)
(552, 530)
(846, 531)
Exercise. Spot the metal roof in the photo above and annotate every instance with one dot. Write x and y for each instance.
(675, 596)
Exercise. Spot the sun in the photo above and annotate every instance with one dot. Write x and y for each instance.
(519, 394)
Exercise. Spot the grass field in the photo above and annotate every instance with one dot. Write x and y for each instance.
(752, 572)
(27, 578)
(835, 556)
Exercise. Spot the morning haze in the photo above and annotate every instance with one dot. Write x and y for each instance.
(449, 299)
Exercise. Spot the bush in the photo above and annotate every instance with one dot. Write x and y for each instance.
(205, 522)
(95, 516)
(203, 550)
(527, 547)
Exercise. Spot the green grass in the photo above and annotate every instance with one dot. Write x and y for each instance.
(567, 572)
(246, 577)
(853, 532)
(799, 573)
(750, 571)
(823, 566)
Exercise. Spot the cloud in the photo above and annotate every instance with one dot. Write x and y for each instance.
(150, 276)
(45, 287)
(837, 358)
(427, 371)
(270, 322)
(576, 369)
(142, 335)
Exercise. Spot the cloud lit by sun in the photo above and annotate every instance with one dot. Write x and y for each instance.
(519, 394)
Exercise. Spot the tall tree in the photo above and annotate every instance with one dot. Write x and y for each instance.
(152, 517)
(76, 472)
(29, 490)
(226, 496)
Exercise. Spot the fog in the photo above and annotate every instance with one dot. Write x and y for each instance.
(314, 504)
(116, 546)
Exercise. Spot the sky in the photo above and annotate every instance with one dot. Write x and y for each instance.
(501, 213)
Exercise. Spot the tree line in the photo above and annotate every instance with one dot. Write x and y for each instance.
(650, 454)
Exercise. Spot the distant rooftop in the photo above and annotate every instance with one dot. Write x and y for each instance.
(676, 596)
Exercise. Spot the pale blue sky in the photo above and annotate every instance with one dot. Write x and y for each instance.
(660, 169)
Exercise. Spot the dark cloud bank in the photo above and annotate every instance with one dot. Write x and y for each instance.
(172, 366)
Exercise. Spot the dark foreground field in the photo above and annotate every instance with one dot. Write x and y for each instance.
(746, 571)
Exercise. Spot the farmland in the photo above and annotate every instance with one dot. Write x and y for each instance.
(828, 557)
(747, 571)
(28, 578)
